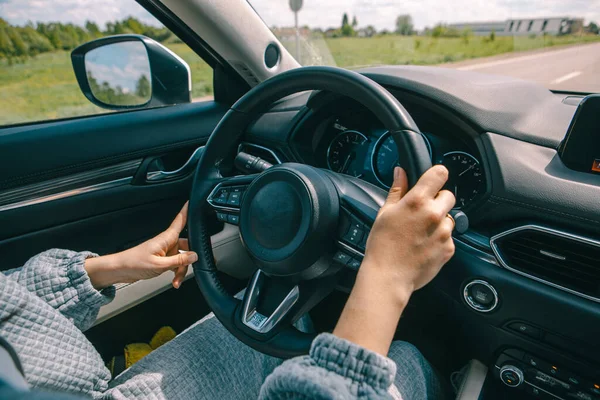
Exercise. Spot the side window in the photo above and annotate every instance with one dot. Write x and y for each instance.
(37, 78)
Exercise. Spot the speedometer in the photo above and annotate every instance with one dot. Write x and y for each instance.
(385, 158)
(465, 178)
(346, 153)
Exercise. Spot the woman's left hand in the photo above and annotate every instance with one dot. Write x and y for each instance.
(165, 252)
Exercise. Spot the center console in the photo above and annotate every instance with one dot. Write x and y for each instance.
(543, 378)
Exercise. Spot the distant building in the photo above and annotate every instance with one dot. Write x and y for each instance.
(527, 26)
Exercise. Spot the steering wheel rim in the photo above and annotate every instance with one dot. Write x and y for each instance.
(283, 340)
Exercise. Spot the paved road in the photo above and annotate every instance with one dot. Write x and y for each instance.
(575, 68)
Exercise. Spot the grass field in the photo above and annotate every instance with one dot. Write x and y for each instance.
(401, 50)
(45, 87)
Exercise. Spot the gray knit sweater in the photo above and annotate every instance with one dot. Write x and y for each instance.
(46, 304)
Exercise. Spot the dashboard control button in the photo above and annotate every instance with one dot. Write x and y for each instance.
(355, 233)
(221, 197)
(341, 258)
(235, 197)
(594, 388)
(480, 296)
(534, 361)
(511, 375)
(573, 379)
(233, 219)
(222, 217)
(354, 263)
(525, 329)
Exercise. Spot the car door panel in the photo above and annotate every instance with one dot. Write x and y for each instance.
(38, 152)
(75, 184)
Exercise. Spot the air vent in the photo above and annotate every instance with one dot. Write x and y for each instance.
(560, 259)
(260, 151)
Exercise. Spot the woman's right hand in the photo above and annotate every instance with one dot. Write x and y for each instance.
(411, 238)
(409, 243)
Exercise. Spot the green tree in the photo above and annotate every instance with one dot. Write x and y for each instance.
(133, 25)
(370, 31)
(54, 38)
(7, 49)
(438, 31)
(466, 35)
(404, 25)
(37, 42)
(593, 28)
(354, 22)
(142, 87)
(158, 34)
(21, 49)
(347, 29)
(93, 29)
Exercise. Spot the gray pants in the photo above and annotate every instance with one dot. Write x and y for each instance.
(207, 362)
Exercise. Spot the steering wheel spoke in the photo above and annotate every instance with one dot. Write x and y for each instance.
(226, 197)
(257, 320)
(271, 304)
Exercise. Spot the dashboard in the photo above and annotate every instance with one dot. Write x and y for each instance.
(350, 140)
(534, 223)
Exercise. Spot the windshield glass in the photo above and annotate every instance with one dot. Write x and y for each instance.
(554, 43)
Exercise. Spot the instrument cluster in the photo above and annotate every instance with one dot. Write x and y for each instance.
(370, 153)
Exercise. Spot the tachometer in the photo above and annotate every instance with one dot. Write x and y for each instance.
(465, 179)
(385, 158)
(346, 153)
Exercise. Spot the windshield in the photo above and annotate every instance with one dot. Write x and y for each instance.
(554, 43)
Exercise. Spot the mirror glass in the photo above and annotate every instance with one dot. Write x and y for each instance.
(119, 73)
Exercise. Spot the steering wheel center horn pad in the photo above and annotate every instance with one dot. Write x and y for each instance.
(300, 225)
(288, 216)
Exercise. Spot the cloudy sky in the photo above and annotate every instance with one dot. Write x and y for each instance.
(317, 13)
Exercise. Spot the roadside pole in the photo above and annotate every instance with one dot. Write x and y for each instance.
(296, 5)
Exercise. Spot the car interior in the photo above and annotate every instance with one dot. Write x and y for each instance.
(519, 302)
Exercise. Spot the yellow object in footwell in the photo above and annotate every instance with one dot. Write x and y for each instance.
(134, 352)
(162, 336)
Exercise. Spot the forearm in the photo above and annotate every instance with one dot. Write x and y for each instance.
(105, 271)
(373, 309)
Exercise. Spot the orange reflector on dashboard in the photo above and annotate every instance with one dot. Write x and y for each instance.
(596, 165)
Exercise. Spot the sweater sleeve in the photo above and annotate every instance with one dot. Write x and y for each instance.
(334, 369)
(59, 278)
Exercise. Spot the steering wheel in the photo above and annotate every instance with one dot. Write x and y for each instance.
(293, 218)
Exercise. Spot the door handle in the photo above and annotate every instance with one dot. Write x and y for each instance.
(185, 169)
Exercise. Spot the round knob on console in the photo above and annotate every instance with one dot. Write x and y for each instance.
(511, 376)
(480, 296)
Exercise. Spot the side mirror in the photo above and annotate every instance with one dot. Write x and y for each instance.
(131, 71)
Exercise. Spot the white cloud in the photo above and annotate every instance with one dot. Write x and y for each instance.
(316, 13)
(75, 11)
(382, 13)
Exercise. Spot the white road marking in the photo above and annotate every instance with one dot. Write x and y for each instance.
(566, 77)
(515, 59)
